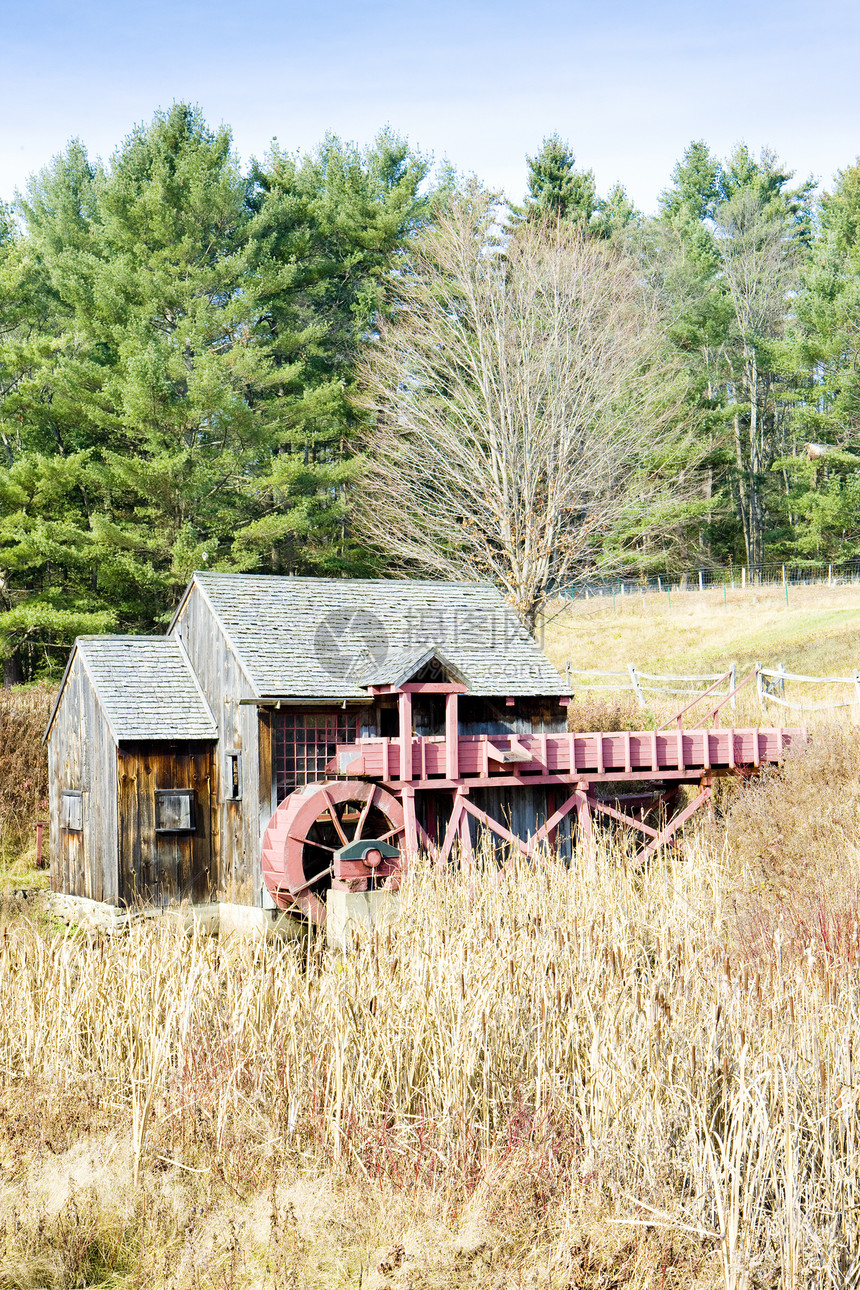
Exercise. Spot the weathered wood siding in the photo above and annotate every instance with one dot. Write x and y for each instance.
(523, 811)
(236, 860)
(164, 868)
(82, 758)
(527, 716)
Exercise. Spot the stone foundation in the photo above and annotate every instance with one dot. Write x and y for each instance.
(346, 911)
(221, 917)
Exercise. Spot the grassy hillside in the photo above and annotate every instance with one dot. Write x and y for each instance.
(817, 633)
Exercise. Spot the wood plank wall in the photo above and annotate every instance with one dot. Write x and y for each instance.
(82, 758)
(236, 860)
(527, 716)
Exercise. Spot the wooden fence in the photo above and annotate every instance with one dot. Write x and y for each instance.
(770, 685)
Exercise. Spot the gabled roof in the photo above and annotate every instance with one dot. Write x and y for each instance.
(146, 688)
(323, 637)
(400, 666)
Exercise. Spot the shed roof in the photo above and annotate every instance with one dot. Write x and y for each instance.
(146, 687)
(324, 637)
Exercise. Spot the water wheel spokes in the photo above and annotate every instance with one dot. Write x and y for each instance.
(311, 826)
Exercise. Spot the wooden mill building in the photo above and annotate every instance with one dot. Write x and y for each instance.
(168, 755)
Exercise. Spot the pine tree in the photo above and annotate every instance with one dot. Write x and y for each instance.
(328, 228)
(736, 232)
(615, 215)
(556, 189)
(827, 489)
(139, 427)
(176, 352)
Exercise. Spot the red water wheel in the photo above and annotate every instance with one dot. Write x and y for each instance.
(310, 826)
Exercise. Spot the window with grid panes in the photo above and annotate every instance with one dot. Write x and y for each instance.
(304, 742)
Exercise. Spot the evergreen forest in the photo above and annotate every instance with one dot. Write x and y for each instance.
(181, 338)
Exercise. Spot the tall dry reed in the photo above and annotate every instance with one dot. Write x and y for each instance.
(24, 713)
(548, 1045)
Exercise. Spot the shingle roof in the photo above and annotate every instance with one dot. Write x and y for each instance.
(322, 637)
(146, 687)
(400, 665)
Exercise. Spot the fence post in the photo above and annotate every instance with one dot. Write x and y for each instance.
(759, 685)
(700, 580)
(568, 677)
(856, 676)
(637, 688)
(780, 667)
(830, 575)
(732, 683)
(743, 577)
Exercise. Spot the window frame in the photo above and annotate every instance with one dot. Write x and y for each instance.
(74, 795)
(234, 785)
(191, 797)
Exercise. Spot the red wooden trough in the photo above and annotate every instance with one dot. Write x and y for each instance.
(358, 829)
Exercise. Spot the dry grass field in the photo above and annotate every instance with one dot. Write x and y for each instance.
(562, 1078)
(817, 633)
(553, 1080)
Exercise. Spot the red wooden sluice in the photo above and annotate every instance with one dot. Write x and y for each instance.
(555, 758)
(370, 797)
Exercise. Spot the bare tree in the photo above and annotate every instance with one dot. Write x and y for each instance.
(526, 408)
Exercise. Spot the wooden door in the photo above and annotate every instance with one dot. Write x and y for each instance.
(165, 823)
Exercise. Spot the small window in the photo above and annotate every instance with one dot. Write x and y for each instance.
(233, 777)
(174, 810)
(72, 811)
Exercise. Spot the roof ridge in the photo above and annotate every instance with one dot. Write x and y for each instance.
(346, 582)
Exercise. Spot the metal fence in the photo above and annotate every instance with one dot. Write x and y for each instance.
(737, 577)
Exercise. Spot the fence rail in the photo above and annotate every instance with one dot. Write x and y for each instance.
(770, 685)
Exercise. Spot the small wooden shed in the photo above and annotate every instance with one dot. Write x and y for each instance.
(131, 752)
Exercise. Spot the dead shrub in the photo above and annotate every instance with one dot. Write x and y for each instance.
(793, 841)
(24, 712)
(588, 712)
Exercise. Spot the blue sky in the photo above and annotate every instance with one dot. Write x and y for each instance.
(629, 84)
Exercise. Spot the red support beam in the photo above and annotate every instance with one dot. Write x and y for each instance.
(528, 849)
(466, 852)
(557, 816)
(672, 827)
(433, 687)
(420, 687)
(404, 707)
(586, 828)
(629, 820)
(453, 825)
(452, 736)
(427, 843)
(409, 820)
